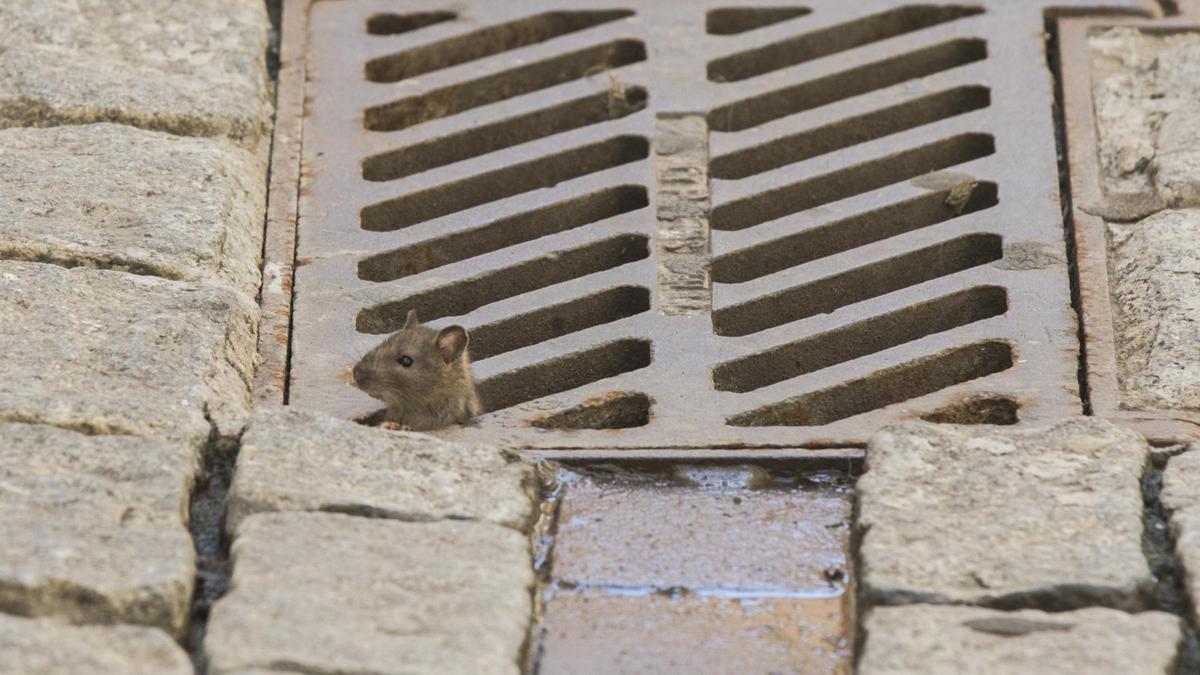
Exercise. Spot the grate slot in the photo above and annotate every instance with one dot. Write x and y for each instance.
(518, 229)
(734, 20)
(756, 110)
(534, 174)
(456, 98)
(485, 42)
(480, 140)
(395, 24)
(618, 410)
(554, 321)
(852, 232)
(836, 185)
(564, 373)
(855, 285)
(834, 39)
(859, 339)
(887, 387)
(470, 294)
(850, 131)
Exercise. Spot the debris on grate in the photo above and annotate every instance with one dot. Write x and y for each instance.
(681, 225)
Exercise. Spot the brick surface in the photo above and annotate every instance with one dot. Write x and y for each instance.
(979, 515)
(116, 197)
(47, 647)
(952, 640)
(195, 68)
(291, 460)
(334, 593)
(608, 634)
(109, 352)
(94, 527)
(646, 535)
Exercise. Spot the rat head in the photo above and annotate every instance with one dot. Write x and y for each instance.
(414, 364)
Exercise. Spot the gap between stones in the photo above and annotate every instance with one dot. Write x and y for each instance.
(206, 516)
(1169, 594)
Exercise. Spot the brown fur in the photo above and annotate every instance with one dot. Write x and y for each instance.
(437, 390)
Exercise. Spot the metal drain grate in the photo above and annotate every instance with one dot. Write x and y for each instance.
(688, 225)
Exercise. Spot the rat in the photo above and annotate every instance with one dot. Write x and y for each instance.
(423, 375)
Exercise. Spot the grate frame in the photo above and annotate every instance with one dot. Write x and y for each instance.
(1031, 268)
(1162, 427)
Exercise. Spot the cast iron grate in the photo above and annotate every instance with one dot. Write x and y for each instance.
(689, 225)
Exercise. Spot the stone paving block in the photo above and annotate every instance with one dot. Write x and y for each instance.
(112, 196)
(1051, 517)
(1181, 498)
(952, 640)
(47, 647)
(636, 535)
(107, 352)
(1155, 279)
(94, 527)
(195, 68)
(292, 460)
(609, 634)
(320, 592)
(1145, 85)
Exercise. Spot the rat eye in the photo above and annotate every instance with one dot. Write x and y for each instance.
(405, 360)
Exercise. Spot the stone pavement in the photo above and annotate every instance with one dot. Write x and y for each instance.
(134, 138)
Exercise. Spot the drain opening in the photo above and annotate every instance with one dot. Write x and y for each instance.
(463, 96)
(483, 43)
(855, 180)
(471, 294)
(564, 373)
(395, 24)
(886, 387)
(756, 110)
(734, 20)
(481, 140)
(850, 131)
(860, 339)
(616, 410)
(554, 321)
(827, 41)
(849, 233)
(543, 172)
(986, 409)
(518, 229)
(830, 293)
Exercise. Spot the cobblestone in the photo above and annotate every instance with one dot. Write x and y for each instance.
(48, 647)
(1145, 87)
(112, 196)
(319, 592)
(93, 527)
(1049, 518)
(193, 68)
(292, 460)
(106, 352)
(1155, 273)
(952, 640)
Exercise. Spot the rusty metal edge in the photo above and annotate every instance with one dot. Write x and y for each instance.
(279, 238)
(1091, 247)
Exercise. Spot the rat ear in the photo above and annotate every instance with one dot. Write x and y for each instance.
(452, 342)
(411, 320)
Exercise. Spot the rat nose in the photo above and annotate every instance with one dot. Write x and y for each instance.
(360, 374)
